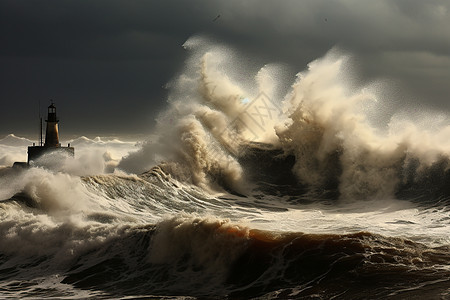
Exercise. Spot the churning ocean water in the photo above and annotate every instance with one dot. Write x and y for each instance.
(245, 190)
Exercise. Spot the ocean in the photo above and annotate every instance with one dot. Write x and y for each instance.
(246, 189)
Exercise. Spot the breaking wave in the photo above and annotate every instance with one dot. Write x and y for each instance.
(324, 124)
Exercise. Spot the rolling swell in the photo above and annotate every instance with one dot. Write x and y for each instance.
(112, 253)
(215, 258)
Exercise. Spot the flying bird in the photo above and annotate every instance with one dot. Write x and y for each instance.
(215, 19)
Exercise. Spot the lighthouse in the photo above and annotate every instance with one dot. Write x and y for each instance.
(52, 146)
(51, 133)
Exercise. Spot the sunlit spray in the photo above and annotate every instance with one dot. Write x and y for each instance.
(324, 121)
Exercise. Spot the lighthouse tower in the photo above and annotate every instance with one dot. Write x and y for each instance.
(51, 133)
(52, 145)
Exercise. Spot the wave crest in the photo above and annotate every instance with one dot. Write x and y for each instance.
(324, 121)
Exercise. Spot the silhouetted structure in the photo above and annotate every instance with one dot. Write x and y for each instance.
(52, 145)
(51, 133)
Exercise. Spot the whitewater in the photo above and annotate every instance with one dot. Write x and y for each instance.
(248, 188)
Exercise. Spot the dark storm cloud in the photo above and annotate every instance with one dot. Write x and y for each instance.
(96, 29)
(105, 62)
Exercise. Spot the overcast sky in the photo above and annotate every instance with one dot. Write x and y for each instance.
(105, 62)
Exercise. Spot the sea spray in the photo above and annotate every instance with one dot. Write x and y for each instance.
(330, 136)
(324, 121)
(332, 139)
(208, 120)
(45, 189)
